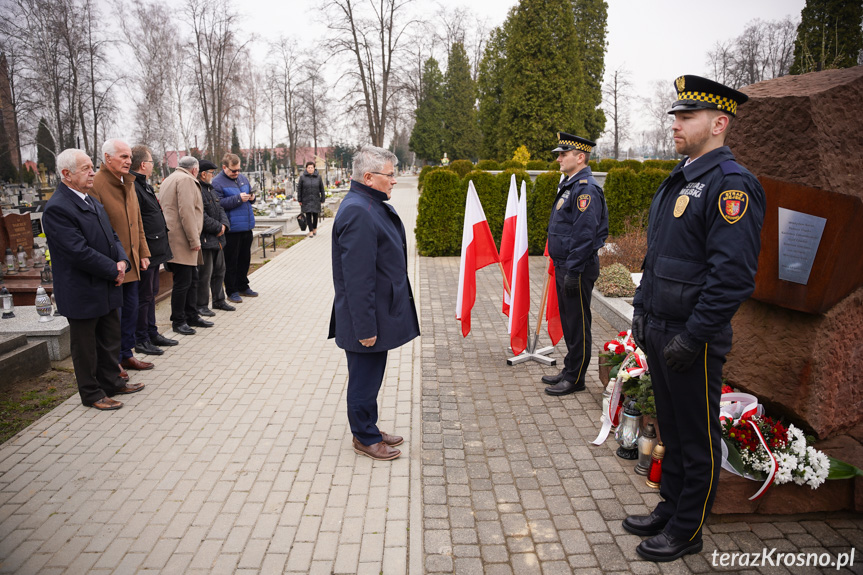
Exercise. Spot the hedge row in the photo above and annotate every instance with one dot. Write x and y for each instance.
(441, 206)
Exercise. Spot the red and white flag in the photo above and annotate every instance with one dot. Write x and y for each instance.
(508, 239)
(552, 310)
(520, 286)
(477, 251)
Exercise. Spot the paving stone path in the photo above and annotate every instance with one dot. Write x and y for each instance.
(236, 457)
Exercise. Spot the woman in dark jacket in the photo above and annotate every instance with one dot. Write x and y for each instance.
(211, 272)
(311, 196)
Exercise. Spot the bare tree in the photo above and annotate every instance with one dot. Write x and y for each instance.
(316, 100)
(617, 96)
(372, 43)
(19, 106)
(251, 102)
(289, 85)
(658, 138)
(764, 50)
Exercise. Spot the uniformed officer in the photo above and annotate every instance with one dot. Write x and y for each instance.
(577, 228)
(703, 240)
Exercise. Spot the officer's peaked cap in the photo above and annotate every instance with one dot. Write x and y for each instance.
(566, 142)
(697, 93)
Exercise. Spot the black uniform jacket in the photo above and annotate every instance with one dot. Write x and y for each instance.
(578, 224)
(703, 239)
(153, 219)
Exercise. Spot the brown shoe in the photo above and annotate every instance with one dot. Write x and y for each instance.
(392, 440)
(379, 451)
(107, 404)
(129, 388)
(124, 375)
(137, 364)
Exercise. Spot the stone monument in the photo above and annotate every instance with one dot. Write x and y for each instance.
(798, 343)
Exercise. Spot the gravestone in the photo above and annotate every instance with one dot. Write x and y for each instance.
(798, 343)
(16, 230)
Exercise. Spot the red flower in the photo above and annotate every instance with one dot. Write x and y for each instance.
(727, 389)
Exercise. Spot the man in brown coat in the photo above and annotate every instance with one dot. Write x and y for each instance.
(114, 187)
(181, 201)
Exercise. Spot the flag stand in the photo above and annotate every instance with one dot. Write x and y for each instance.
(531, 352)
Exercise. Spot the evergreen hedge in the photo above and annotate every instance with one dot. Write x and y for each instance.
(440, 214)
(493, 202)
(423, 173)
(553, 166)
(461, 167)
(539, 205)
(634, 165)
(512, 165)
(661, 164)
(537, 165)
(487, 165)
(628, 194)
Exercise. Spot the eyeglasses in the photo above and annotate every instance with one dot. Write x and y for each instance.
(149, 162)
(391, 175)
(233, 171)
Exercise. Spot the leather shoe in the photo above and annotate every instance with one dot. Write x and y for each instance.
(160, 339)
(183, 329)
(666, 547)
(224, 306)
(124, 375)
(235, 298)
(564, 388)
(206, 312)
(148, 348)
(198, 322)
(379, 451)
(129, 388)
(552, 379)
(137, 364)
(645, 525)
(106, 404)
(249, 292)
(392, 440)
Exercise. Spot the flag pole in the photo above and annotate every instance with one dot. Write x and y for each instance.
(531, 352)
(505, 283)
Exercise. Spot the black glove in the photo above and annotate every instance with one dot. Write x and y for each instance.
(681, 352)
(638, 330)
(571, 284)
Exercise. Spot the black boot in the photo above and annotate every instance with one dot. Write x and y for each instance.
(645, 525)
(666, 547)
(564, 388)
(552, 379)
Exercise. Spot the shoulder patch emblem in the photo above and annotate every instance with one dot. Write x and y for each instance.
(733, 204)
(582, 181)
(680, 205)
(583, 202)
(560, 203)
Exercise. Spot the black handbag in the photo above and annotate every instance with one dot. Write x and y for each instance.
(301, 219)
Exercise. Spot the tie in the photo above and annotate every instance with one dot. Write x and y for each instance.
(90, 203)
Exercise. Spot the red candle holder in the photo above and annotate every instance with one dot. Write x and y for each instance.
(654, 478)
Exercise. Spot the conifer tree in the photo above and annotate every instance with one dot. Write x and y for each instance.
(490, 94)
(461, 130)
(426, 140)
(46, 150)
(829, 35)
(235, 142)
(591, 18)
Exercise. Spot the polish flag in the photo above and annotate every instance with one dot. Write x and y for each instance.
(520, 286)
(508, 239)
(552, 311)
(477, 251)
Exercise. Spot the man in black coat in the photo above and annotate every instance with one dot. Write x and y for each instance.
(147, 335)
(211, 273)
(311, 196)
(374, 308)
(89, 266)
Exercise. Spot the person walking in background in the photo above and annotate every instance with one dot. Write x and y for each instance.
(147, 336)
(89, 267)
(311, 196)
(235, 197)
(114, 187)
(374, 309)
(211, 272)
(184, 212)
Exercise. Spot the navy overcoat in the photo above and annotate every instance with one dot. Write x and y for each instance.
(84, 254)
(373, 294)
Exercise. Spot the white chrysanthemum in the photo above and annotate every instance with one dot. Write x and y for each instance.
(799, 480)
(782, 476)
(786, 461)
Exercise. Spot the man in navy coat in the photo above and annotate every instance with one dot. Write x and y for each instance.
(374, 308)
(89, 266)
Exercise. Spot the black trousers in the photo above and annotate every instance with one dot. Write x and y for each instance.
(576, 320)
(128, 320)
(211, 275)
(312, 220)
(148, 289)
(184, 295)
(365, 376)
(687, 410)
(95, 344)
(238, 255)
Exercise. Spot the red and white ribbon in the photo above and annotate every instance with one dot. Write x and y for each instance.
(744, 406)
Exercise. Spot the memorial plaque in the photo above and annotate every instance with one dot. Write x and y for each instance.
(19, 232)
(799, 237)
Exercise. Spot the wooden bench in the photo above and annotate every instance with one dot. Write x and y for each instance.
(271, 232)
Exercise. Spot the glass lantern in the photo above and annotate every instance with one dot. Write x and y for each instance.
(47, 274)
(22, 260)
(628, 431)
(43, 305)
(38, 256)
(11, 263)
(646, 443)
(7, 303)
(279, 209)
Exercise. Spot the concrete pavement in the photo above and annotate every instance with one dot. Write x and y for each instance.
(236, 458)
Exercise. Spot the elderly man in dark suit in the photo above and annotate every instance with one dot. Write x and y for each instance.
(90, 265)
(374, 308)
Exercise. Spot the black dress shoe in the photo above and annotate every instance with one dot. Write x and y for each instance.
(224, 306)
(564, 388)
(160, 339)
(198, 322)
(645, 525)
(206, 312)
(552, 379)
(183, 329)
(666, 547)
(147, 348)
